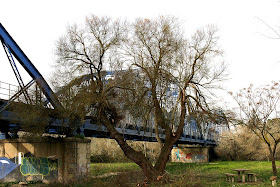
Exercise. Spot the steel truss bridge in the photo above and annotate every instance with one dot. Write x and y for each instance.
(11, 93)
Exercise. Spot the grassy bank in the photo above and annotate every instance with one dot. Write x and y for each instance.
(182, 174)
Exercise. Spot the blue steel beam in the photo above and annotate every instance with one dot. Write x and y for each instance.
(29, 67)
(93, 130)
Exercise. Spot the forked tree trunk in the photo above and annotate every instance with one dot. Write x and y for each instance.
(164, 157)
(151, 172)
(139, 158)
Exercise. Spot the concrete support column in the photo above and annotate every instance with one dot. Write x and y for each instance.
(2, 150)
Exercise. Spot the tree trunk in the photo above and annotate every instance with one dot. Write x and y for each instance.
(274, 170)
(273, 165)
(171, 138)
(151, 172)
(272, 157)
(138, 157)
(157, 133)
(164, 157)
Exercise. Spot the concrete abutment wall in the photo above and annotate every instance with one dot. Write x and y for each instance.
(108, 150)
(49, 160)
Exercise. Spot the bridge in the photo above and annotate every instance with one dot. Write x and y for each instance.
(10, 94)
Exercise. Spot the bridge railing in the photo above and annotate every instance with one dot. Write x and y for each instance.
(30, 94)
(7, 90)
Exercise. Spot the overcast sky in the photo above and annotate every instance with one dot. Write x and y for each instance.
(252, 57)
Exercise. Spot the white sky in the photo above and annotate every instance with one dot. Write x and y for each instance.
(252, 58)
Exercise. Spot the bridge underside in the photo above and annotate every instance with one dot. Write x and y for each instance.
(10, 124)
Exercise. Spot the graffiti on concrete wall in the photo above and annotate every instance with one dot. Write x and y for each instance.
(37, 166)
(6, 167)
(195, 156)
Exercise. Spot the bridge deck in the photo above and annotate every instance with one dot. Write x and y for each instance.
(93, 130)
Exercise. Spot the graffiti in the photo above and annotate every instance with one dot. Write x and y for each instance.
(6, 167)
(179, 156)
(198, 156)
(36, 166)
(4, 162)
(187, 157)
(53, 166)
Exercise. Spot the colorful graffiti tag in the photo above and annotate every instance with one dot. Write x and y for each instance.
(179, 156)
(186, 157)
(36, 166)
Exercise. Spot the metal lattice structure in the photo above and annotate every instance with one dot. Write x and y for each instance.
(13, 51)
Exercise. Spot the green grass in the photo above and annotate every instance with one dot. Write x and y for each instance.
(181, 174)
(212, 174)
(187, 174)
(103, 168)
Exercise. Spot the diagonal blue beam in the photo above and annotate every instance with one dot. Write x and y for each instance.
(29, 67)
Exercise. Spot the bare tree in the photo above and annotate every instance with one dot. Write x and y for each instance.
(164, 75)
(258, 110)
(275, 30)
(171, 64)
(82, 54)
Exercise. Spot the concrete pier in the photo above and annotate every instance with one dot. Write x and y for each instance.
(47, 160)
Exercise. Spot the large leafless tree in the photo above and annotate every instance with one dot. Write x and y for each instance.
(258, 110)
(156, 72)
